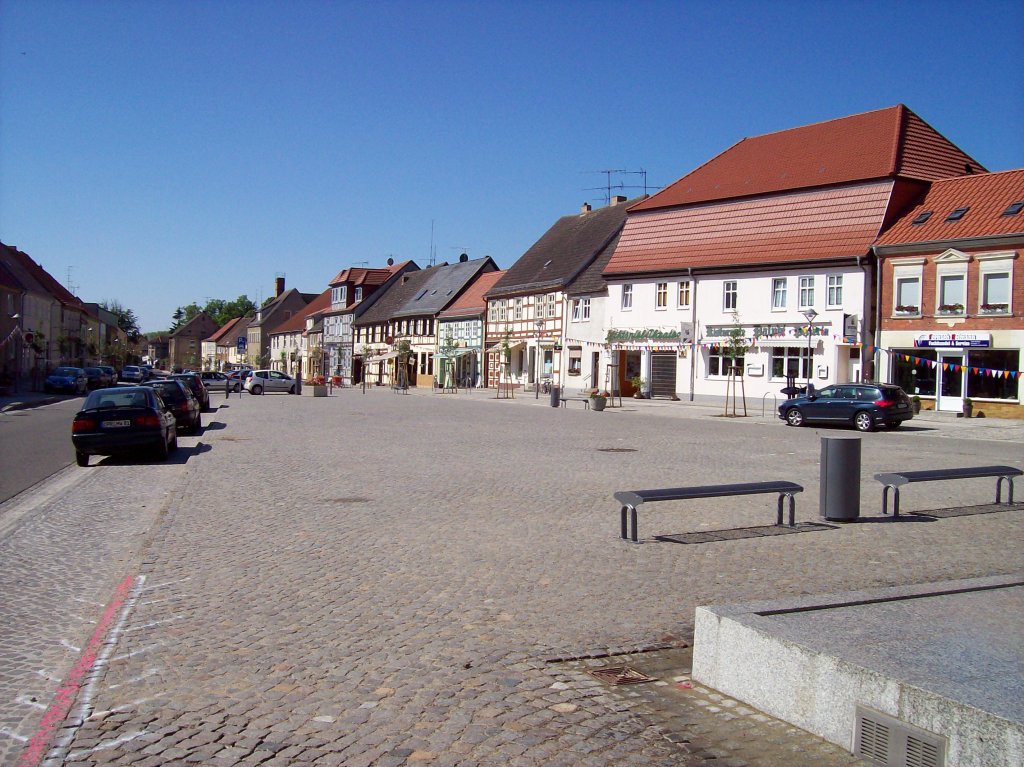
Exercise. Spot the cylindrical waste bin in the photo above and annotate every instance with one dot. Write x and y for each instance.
(840, 479)
(555, 392)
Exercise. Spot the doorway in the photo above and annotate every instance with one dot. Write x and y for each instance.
(950, 388)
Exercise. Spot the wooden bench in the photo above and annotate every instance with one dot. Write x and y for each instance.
(584, 400)
(631, 500)
(896, 480)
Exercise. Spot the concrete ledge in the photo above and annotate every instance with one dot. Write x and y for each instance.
(945, 657)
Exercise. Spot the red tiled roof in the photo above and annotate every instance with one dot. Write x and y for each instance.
(227, 329)
(472, 301)
(987, 196)
(361, 276)
(297, 322)
(887, 143)
(800, 226)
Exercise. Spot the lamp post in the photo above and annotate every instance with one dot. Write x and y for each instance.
(809, 314)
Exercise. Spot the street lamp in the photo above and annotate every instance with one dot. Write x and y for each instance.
(809, 314)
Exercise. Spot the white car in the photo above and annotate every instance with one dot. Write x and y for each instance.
(269, 380)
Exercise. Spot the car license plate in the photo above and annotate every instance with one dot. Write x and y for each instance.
(116, 424)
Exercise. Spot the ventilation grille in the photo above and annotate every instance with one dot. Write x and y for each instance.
(887, 741)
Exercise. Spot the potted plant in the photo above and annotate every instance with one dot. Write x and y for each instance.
(316, 386)
(915, 404)
(598, 400)
(968, 407)
(639, 383)
(951, 309)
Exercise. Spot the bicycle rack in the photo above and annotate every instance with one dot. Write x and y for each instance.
(775, 402)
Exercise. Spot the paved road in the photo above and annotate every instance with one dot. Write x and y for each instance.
(382, 579)
(34, 444)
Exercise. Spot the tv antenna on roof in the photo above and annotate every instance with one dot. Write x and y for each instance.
(609, 186)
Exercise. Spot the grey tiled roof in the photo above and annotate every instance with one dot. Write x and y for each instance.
(562, 253)
(591, 281)
(395, 297)
(444, 286)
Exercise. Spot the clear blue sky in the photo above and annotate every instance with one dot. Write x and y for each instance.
(170, 152)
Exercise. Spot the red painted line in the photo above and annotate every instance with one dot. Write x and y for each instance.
(68, 691)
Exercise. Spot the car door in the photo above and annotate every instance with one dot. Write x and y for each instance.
(819, 408)
(278, 381)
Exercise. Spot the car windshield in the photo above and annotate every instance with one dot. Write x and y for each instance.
(65, 372)
(110, 399)
(169, 391)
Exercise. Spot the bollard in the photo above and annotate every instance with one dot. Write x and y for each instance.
(839, 498)
(555, 394)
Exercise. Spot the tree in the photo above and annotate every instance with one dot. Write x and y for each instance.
(126, 319)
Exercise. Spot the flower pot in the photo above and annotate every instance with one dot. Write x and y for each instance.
(598, 403)
(968, 409)
(314, 390)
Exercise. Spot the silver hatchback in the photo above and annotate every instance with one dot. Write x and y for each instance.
(260, 381)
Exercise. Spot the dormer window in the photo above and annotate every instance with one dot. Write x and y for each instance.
(921, 217)
(359, 294)
(1014, 209)
(957, 214)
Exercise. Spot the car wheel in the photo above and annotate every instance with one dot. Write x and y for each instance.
(863, 421)
(82, 459)
(794, 417)
(257, 389)
(291, 390)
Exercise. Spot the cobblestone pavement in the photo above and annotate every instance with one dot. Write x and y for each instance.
(389, 580)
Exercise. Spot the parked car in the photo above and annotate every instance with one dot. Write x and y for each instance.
(186, 408)
(123, 421)
(863, 405)
(132, 374)
(68, 380)
(195, 383)
(238, 377)
(97, 378)
(259, 381)
(111, 374)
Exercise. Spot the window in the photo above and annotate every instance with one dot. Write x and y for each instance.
(684, 294)
(791, 362)
(806, 292)
(359, 294)
(627, 297)
(492, 311)
(519, 308)
(779, 293)
(585, 309)
(957, 214)
(661, 295)
(921, 217)
(338, 294)
(906, 286)
(730, 296)
(502, 311)
(952, 293)
(834, 297)
(1014, 209)
(996, 283)
(552, 305)
(575, 362)
(719, 361)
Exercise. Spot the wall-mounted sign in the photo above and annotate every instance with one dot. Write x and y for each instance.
(683, 334)
(768, 331)
(963, 340)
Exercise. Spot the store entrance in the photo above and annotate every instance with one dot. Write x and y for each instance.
(950, 390)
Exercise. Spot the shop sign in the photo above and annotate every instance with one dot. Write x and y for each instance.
(647, 335)
(768, 331)
(964, 340)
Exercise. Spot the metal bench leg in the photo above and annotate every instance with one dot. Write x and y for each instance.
(896, 500)
(792, 509)
(632, 519)
(622, 515)
(1009, 491)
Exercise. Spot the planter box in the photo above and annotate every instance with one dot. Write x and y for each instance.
(314, 390)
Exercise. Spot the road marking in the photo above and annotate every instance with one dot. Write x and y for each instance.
(82, 676)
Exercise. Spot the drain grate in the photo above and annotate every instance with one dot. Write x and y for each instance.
(620, 675)
(616, 450)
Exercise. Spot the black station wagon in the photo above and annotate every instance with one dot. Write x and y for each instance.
(862, 405)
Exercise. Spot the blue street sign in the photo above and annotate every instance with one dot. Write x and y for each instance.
(240, 344)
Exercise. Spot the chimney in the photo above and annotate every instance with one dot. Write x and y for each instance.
(616, 199)
(585, 208)
(278, 286)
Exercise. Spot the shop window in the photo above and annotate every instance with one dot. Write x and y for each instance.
(912, 372)
(719, 361)
(791, 362)
(982, 385)
(779, 289)
(684, 294)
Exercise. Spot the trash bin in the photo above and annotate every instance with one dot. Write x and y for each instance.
(840, 479)
(555, 394)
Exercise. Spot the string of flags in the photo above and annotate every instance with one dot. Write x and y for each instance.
(917, 361)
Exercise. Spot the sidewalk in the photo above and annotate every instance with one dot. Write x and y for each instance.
(28, 399)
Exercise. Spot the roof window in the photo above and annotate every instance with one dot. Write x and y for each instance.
(957, 214)
(1014, 209)
(547, 263)
(422, 293)
(921, 218)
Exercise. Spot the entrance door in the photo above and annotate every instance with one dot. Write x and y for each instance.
(950, 386)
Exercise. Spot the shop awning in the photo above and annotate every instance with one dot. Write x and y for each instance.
(511, 347)
(454, 354)
(382, 357)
